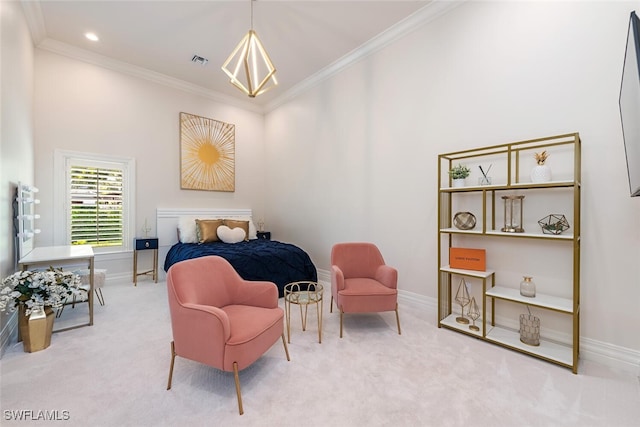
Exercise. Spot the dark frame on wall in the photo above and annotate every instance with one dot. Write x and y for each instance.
(630, 104)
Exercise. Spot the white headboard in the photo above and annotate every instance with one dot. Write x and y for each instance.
(167, 226)
(167, 220)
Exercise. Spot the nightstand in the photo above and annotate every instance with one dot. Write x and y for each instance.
(265, 235)
(141, 244)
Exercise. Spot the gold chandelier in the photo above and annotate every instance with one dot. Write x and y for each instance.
(253, 72)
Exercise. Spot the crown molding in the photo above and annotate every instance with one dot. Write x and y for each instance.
(426, 14)
(143, 73)
(35, 21)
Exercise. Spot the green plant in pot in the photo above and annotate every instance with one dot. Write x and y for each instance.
(458, 173)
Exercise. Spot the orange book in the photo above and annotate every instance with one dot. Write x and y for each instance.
(468, 259)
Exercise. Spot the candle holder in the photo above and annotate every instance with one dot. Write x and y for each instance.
(513, 214)
(462, 298)
(474, 314)
(146, 229)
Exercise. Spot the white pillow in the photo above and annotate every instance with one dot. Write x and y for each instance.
(187, 229)
(230, 235)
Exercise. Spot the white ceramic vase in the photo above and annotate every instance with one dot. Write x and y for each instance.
(458, 182)
(541, 173)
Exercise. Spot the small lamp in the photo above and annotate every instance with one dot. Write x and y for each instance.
(513, 214)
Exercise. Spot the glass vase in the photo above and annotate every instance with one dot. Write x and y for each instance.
(527, 287)
(530, 329)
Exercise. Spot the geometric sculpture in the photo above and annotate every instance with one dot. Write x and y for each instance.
(462, 298)
(554, 224)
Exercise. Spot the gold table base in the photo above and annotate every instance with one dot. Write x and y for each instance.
(303, 293)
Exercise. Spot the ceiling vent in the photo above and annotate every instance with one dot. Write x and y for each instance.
(199, 60)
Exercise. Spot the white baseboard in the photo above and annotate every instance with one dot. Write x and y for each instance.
(607, 354)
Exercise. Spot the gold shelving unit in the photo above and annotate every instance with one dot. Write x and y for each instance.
(511, 164)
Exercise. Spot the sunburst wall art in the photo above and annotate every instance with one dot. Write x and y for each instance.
(207, 154)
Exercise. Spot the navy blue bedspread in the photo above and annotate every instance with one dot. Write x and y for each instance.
(256, 259)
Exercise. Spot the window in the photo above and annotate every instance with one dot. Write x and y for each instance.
(95, 195)
(96, 203)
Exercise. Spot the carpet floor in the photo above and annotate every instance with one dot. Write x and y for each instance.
(114, 373)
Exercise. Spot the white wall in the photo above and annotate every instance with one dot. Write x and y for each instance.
(355, 158)
(16, 130)
(83, 107)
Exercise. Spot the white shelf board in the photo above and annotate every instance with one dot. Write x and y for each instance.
(569, 183)
(540, 300)
(513, 185)
(471, 273)
(476, 187)
(564, 236)
(547, 349)
(457, 230)
(568, 236)
(450, 322)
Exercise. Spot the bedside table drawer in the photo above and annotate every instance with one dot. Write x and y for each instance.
(265, 235)
(147, 243)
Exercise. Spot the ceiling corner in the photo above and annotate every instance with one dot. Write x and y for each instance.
(35, 20)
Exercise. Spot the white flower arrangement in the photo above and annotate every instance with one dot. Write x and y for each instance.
(39, 289)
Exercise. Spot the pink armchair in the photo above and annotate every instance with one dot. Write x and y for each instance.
(220, 319)
(361, 282)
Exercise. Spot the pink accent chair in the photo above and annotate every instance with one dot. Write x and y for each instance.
(361, 282)
(220, 319)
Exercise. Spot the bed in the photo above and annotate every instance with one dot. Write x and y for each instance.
(253, 259)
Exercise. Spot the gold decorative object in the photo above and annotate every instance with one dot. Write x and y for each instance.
(207, 154)
(513, 214)
(464, 220)
(541, 157)
(462, 298)
(474, 314)
(35, 329)
(541, 172)
(554, 224)
(253, 68)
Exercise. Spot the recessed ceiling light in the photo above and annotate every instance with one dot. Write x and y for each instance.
(91, 36)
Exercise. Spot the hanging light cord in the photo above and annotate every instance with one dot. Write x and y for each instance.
(252, 14)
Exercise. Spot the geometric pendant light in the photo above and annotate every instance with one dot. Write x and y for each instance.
(251, 68)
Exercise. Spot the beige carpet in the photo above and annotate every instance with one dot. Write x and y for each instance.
(114, 374)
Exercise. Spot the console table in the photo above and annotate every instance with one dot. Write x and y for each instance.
(56, 255)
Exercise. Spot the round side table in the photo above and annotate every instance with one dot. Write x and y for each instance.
(303, 293)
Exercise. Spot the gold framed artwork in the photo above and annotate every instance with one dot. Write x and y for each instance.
(207, 154)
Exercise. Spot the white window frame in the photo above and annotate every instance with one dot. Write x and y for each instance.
(62, 210)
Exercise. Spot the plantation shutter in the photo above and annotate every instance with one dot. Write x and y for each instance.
(96, 203)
